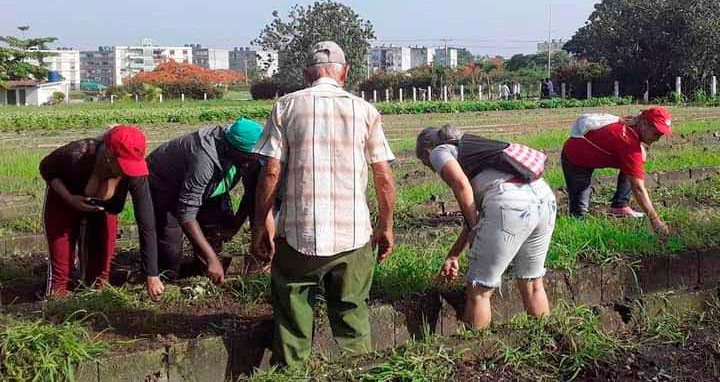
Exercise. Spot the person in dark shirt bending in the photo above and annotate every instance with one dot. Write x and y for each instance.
(190, 181)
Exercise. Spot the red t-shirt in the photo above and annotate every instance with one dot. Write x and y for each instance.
(614, 146)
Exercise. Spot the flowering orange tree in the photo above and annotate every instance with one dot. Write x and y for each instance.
(171, 72)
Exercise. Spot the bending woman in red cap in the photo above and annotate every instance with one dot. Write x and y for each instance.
(88, 182)
(615, 145)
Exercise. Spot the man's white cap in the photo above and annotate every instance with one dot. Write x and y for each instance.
(326, 52)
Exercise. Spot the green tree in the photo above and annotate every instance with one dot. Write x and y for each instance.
(307, 25)
(464, 57)
(654, 41)
(15, 55)
(532, 61)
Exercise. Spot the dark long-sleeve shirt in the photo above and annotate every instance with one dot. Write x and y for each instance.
(185, 172)
(74, 163)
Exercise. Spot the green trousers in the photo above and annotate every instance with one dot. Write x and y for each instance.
(295, 278)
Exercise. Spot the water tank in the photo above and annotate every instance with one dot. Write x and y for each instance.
(54, 76)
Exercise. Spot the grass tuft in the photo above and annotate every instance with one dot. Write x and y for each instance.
(38, 351)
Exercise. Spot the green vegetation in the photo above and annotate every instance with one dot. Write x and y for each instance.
(38, 351)
(574, 336)
(95, 115)
(426, 360)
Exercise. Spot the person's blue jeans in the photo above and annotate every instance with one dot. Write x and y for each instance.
(579, 187)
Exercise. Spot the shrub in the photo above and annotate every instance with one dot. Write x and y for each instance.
(57, 97)
(268, 89)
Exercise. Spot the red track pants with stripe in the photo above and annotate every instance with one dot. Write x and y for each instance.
(62, 229)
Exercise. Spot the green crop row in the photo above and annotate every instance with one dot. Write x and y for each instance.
(475, 106)
(84, 116)
(48, 118)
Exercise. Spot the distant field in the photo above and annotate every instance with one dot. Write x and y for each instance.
(83, 115)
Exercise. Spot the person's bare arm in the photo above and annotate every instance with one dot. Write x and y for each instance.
(78, 202)
(454, 176)
(643, 199)
(194, 232)
(384, 183)
(263, 246)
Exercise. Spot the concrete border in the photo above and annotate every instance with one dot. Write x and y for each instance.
(216, 358)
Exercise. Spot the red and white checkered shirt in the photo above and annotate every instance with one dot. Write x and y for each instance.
(325, 137)
(532, 159)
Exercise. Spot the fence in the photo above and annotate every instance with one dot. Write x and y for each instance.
(588, 90)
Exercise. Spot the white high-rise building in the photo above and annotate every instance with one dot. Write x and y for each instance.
(421, 56)
(131, 60)
(390, 58)
(210, 58)
(64, 61)
(450, 59)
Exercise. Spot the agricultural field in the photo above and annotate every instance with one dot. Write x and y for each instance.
(173, 112)
(577, 341)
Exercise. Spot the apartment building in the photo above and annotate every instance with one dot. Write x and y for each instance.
(210, 58)
(246, 60)
(65, 61)
(98, 66)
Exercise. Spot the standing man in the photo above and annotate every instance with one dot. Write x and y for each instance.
(325, 138)
(190, 181)
(504, 92)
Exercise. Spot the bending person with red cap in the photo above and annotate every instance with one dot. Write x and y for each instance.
(602, 141)
(88, 182)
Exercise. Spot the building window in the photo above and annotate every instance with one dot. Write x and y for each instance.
(172, 52)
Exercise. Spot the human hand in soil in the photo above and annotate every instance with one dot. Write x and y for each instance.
(660, 227)
(155, 287)
(215, 271)
(83, 203)
(451, 268)
(384, 241)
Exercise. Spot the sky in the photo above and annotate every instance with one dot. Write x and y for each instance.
(483, 26)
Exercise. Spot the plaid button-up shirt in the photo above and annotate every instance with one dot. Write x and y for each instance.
(325, 137)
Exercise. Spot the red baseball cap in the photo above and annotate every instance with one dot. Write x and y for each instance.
(127, 143)
(660, 118)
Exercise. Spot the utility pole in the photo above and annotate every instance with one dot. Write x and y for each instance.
(245, 64)
(447, 56)
(549, 44)
(368, 64)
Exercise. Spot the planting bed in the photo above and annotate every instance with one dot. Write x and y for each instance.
(203, 332)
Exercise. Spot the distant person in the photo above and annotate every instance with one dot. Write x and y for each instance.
(508, 210)
(504, 92)
(191, 178)
(88, 182)
(547, 89)
(602, 141)
(516, 90)
(325, 139)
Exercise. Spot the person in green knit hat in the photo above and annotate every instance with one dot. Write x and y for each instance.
(190, 181)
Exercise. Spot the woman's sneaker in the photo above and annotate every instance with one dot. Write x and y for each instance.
(625, 212)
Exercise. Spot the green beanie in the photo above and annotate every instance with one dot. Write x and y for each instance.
(243, 134)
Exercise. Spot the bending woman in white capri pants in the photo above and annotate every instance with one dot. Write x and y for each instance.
(509, 213)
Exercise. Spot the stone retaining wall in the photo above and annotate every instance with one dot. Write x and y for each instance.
(219, 358)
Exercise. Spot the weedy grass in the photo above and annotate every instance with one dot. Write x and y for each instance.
(19, 171)
(426, 360)
(560, 345)
(250, 290)
(39, 351)
(413, 266)
(96, 303)
(656, 320)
